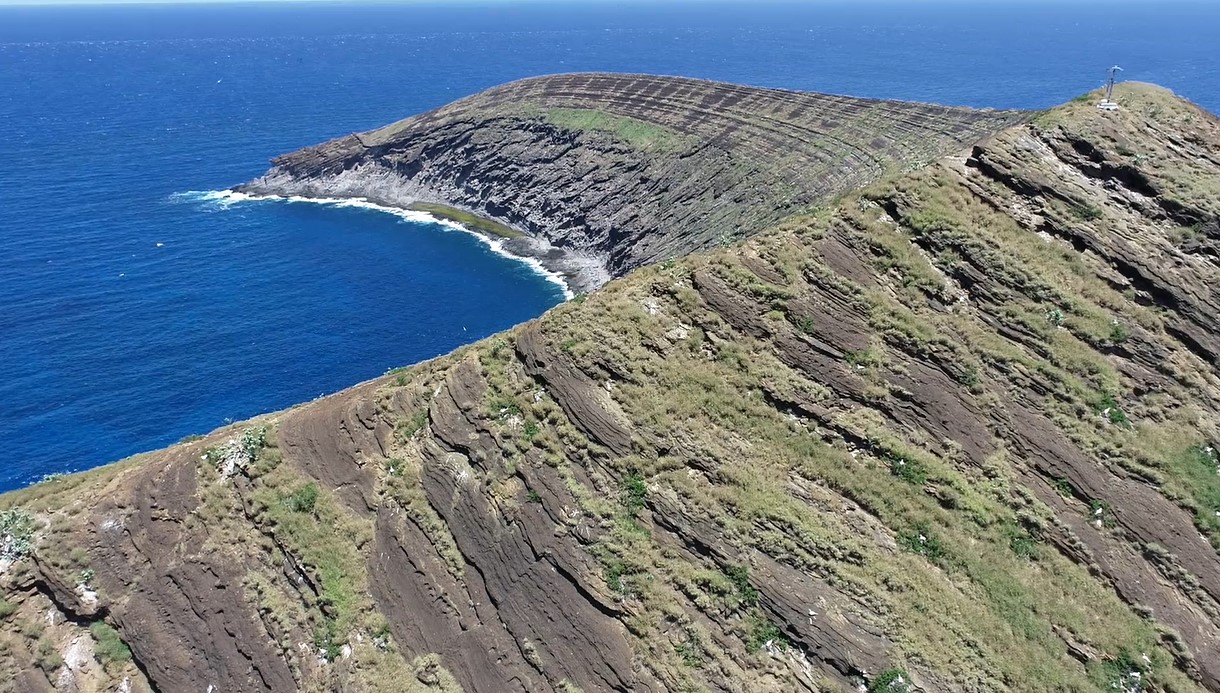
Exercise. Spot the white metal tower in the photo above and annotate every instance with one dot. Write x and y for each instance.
(1107, 104)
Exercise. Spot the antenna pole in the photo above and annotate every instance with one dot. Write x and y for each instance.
(1107, 104)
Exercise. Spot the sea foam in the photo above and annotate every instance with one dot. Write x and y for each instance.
(223, 199)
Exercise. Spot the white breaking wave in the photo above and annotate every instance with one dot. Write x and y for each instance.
(223, 199)
(216, 199)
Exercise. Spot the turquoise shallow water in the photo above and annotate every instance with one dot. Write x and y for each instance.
(135, 308)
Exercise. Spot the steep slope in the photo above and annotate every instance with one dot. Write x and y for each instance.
(956, 432)
(609, 172)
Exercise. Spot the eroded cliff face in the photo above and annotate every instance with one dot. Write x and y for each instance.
(606, 173)
(955, 433)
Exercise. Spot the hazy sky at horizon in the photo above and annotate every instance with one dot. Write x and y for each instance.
(573, 2)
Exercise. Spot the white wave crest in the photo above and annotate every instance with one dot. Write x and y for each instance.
(217, 199)
(223, 199)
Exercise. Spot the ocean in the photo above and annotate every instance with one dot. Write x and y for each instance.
(138, 304)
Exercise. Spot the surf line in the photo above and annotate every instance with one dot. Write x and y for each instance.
(227, 198)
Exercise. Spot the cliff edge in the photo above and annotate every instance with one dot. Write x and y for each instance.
(956, 431)
(603, 173)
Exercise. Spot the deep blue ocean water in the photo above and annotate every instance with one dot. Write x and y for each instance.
(134, 311)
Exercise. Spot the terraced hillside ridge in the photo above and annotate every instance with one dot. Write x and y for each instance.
(604, 173)
(956, 432)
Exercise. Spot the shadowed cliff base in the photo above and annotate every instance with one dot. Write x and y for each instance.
(608, 172)
(955, 431)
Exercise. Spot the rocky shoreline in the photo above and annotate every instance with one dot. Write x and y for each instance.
(577, 271)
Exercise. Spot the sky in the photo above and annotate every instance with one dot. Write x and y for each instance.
(510, 2)
(476, 3)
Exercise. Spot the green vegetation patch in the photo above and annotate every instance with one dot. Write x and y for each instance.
(304, 499)
(467, 219)
(407, 428)
(1086, 212)
(739, 575)
(1192, 474)
(691, 652)
(16, 534)
(47, 657)
(891, 681)
(110, 646)
(614, 573)
(763, 633)
(328, 544)
(1108, 407)
(634, 494)
(636, 133)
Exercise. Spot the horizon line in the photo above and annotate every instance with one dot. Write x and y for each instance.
(575, 3)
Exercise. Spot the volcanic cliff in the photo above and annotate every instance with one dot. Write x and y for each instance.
(605, 173)
(946, 420)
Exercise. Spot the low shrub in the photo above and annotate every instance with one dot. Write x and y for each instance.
(304, 499)
(891, 681)
(910, 471)
(1086, 212)
(16, 534)
(110, 646)
(1108, 407)
(739, 575)
(635, 493)
(920, 539)
(762, 632)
